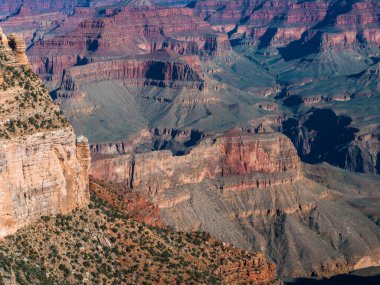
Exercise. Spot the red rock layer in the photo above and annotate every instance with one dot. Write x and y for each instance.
(256, 161)
(143, 71)
(278, 23)
(127, 31)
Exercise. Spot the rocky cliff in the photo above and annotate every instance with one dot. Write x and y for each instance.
(250, 190)
(158, 70)
(279, 23)
(217, 158)
(126, 30)
(339, 144)
(43, 166)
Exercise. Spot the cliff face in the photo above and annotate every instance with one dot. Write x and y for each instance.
(232, 155)
(161, 72)
(43, 166)
(250, 190)
(41, 174)
(126, 30)
(340, 25)
(339, 144)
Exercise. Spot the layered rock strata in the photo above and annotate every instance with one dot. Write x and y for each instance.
(41, 174)
(245, 156)
(157, 72)
(126, 30)
(249, 190)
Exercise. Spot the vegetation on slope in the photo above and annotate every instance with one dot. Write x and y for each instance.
(102, 245)
(25, 105)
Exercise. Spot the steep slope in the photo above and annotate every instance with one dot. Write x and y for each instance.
(250, 190)
(43, 166)
(103, 243)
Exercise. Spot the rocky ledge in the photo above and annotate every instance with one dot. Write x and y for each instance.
(234, 154)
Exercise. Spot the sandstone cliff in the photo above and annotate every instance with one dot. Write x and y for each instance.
(231, 155)
(43, 166)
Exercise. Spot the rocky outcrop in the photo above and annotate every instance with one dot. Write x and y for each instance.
(42, 174)
(18, 47)
(157, 72)
(43, 166)
(13, 48)
(321, 135)
(234, 154)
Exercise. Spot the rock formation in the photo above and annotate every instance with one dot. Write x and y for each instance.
(43, 166)
(330, 49)
(165, 72)
(113, 35)
(279, 23)
(338, 144)
(250, 190)
(217, 158)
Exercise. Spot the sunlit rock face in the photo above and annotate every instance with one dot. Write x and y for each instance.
(43, 165)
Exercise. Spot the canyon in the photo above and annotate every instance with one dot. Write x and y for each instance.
(44, 184)
(215, 116)
(181, 65)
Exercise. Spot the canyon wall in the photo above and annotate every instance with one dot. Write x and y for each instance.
(340, 144)
(43, 165)
(40, 175)
(126, 30)
(137, 71)
(233, 154)
(279, 23)
(250, 190)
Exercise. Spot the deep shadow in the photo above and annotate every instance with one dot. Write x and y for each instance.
(320, 135)
(92, 45)
(266, 39)
(195, 138)
(81, 61)
(292, 101)
(303, 47)
(174, 142)
(156, 71)
(345, 279)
